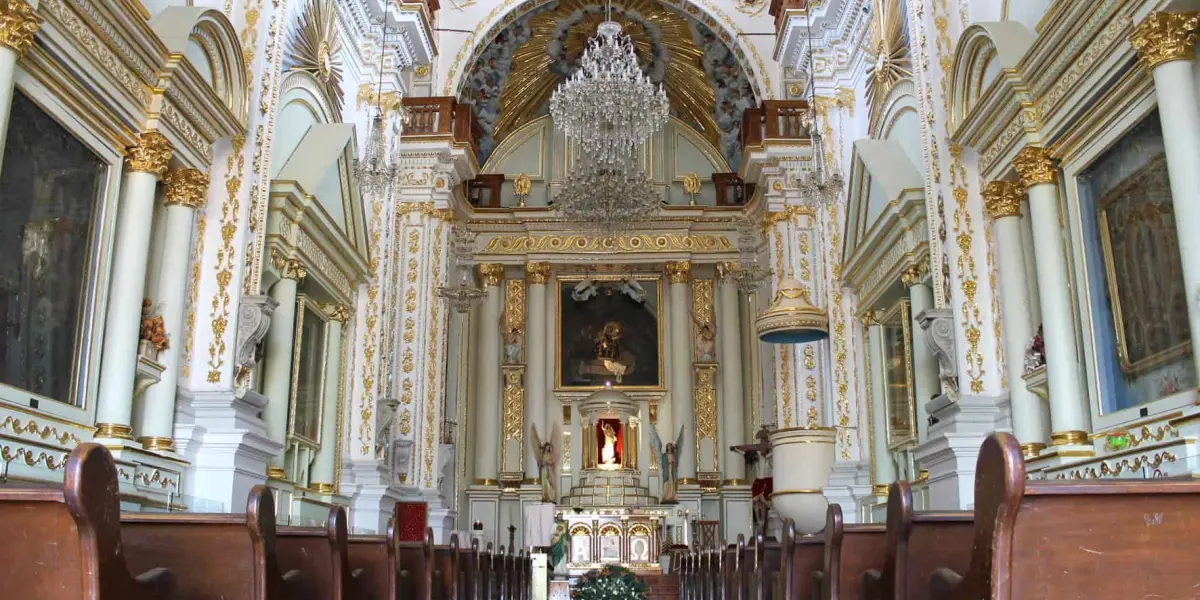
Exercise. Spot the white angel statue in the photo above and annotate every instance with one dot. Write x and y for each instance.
(547, 457)
(668, 458)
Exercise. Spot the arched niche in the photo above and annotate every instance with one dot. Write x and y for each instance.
(302, 104)
(986, 51)
(209, 43)
(546, 157)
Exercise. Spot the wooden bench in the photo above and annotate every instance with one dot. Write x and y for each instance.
(802, 558)
(376, 556)
(765, 574)
(446, 570)
(322, 556)
(727, 582)
(917, 544)
(850, 551)
(415, 560)
(1094, 539)
(487, 574)
(740, 570)
(215, 556)
(66, 544)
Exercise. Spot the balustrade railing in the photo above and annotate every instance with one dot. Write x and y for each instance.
(774, 120)
(441, 116)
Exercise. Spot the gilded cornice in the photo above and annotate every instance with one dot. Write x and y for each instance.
(491, 274)
(1164, 37)
(1003, 199)
(151, 154)
(1034, 165)
(18, 24)
(586, 244)
(536, 273)
(185, 187)
(678, 271)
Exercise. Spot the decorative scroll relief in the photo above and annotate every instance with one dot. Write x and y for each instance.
(435, 369)
(98, 49)
(513, 409)
(706, 409)
(522, 244)
(1158, 464)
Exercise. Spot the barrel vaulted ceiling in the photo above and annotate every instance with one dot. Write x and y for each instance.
(512, 80)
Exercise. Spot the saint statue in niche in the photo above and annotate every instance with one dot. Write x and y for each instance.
(706, 344)
(608, 454)
(514, 345)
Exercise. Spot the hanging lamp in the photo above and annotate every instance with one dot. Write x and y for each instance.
(791, 318)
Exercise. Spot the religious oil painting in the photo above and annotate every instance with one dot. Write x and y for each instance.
(897, 366)
(609, 332)
(308, 379)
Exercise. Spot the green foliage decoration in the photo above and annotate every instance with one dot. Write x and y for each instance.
(610, 583)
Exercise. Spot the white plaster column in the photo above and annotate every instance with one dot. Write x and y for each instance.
(145, 163)
(1002, 200)
(881, 459)
(683, 414)
(321, 478)
(1070, 416)
(1166, 44)
(536, 274)
(186, 191)
(487, 416)
(925, 369)
(729, 335)
(280, 345)
(20, 23)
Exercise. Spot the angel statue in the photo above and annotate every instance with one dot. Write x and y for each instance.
(547, 457)
(668, 457)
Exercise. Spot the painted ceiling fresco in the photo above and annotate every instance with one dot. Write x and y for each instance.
(514, 77)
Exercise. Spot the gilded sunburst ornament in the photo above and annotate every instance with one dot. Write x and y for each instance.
(316, 49)
(890, 60)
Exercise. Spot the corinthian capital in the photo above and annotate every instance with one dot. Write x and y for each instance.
(18, 23)
(536, 273)
(1003, 199)
(679, 271)
(1034, 165)
(185, 187)
(1163, 37)
(491, 273)
(151, 154)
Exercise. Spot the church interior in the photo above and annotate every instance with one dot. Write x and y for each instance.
(497, 299)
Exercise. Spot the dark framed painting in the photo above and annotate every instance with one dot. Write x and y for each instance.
(609, 332)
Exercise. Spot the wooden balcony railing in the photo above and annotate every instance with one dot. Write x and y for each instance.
(731, 190)
(779, 8)
(441, 116)
(774, 120)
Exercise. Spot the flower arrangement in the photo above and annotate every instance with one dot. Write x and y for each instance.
(1035, 353)
(610, 583)
(153, 330)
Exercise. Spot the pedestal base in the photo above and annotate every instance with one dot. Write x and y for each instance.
(849, 485)
(950, 453)
(599, 488)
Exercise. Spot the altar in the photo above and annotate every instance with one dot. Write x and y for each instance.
(629, 537)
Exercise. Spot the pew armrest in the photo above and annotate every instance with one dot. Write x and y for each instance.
(943, 583)
(872, 585)
(157, 583)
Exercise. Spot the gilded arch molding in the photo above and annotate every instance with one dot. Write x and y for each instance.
(706, 11)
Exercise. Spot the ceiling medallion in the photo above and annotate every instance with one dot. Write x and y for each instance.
(316, 50)
(889, 43)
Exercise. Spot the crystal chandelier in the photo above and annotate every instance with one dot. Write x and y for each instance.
(609, 106)
(607, 200)
(372, 169)
(749, 274)
(463, 293)
(820, 186)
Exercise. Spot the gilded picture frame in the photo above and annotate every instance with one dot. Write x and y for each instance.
(567, 344)
(898, 388)
(308, 309)
(1135, 304)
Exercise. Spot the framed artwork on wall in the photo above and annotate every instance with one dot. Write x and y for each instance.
(609, 332)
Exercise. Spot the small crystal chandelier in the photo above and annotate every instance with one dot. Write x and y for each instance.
(372, 169)
(820, 186)
(749, 274)
(609, 106)
(608, 200)
(463, 293)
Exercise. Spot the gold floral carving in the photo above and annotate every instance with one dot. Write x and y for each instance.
(706, 407)
(787, 214)
(1003, 199)
(514, 306)
(185, 187)
(703, 313)
(1122, 466)
(537, 273)
(514, 400)
(30, 460)
(1034, 165)
(289, 268)
(725, 270)
(491, 273)
(523, 244)
(785, 384)
(18, 24)
(151, 154)
(222, 302)
(433, 366)
(1164, 37)
(911, 276)
(338, 312)
(31, 427)
(678, 271)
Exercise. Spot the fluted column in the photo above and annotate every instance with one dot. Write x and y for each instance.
(683, 414)
(730, 356)
(1166, 42)
(884, 471)
(18, 24)
(487, 416)
(280, 348)
(1070, 416)
(186, 191)
(536, 274)
(1002, 199)
(925, 369)
(325, 466)
(145, 163)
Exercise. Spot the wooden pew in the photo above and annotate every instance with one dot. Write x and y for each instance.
(415, 576)
(765, 575)
(321, 554)
(802, 557)
(66, 543)
(487, 579)
(469, 588)
(740, 571)
(215, 556)
(917, 544)
(716, 573)
(850, 551)
(376, 556)
(446, 570)
(727, 582)
(1094, 539)
(500, 568)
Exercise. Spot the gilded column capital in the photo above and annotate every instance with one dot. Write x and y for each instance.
(1003, 199)
(911, 276)
(537, 273)
(186, 187)
(491, 273)
(868, 318)
(337, 312)
(18, 24)
(726, 269)
(1164, 37)
(289, 268)
(679, 271)
(1034, 165)
(151, 154)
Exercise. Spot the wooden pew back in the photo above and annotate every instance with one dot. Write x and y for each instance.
(446, 570)
(741, 570)
(917, 545)
(767, 563)
(321, 555)
(727, 583)
(376, 556)
(850, 551)
(802, 557)
(65, 544)
(415, 560)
